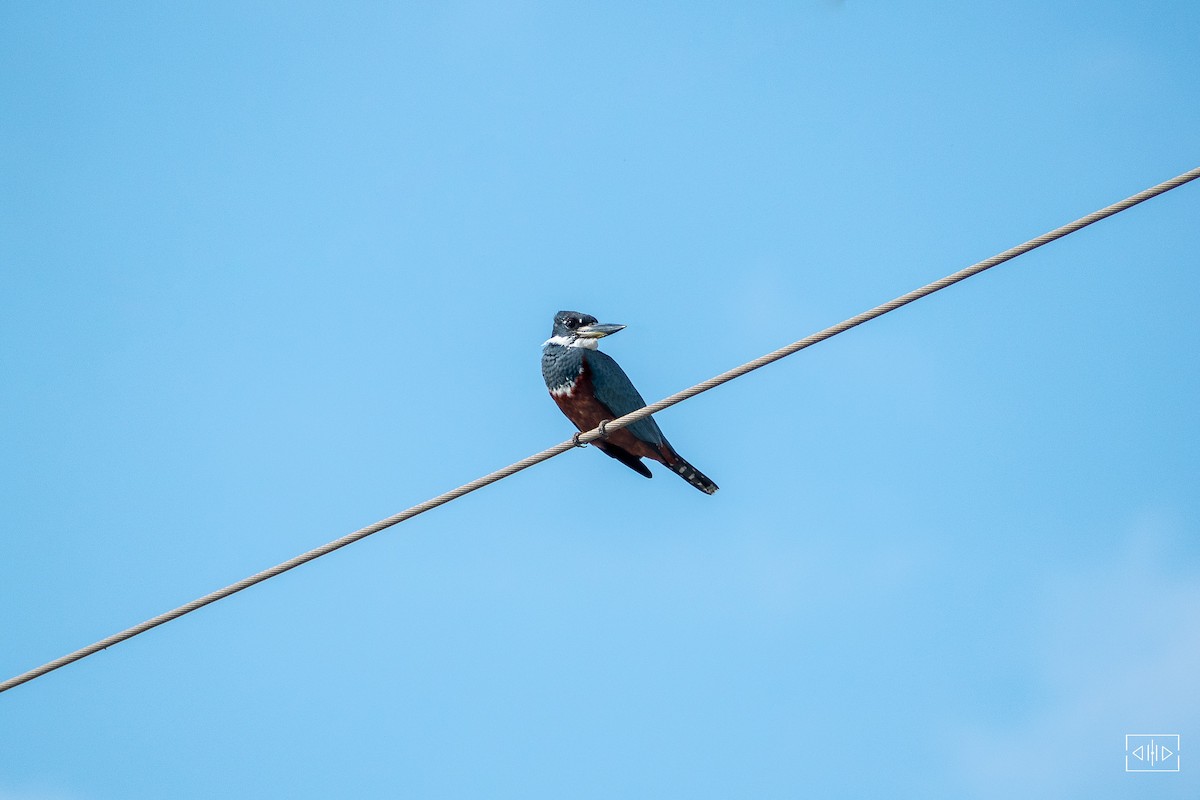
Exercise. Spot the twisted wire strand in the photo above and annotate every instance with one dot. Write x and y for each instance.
(604, 429)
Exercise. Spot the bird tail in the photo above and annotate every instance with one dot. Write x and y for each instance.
(695, 477)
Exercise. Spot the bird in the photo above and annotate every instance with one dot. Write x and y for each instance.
(590, 388)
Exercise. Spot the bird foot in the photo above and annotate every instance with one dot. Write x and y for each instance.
(602, 427)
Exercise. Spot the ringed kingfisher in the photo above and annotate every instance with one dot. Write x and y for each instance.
(591, 388)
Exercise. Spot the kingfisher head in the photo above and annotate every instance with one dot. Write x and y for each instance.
(572, 329)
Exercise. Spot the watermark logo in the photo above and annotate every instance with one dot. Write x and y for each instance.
(1152, 752)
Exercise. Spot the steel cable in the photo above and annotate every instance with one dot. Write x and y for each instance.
(594, 434)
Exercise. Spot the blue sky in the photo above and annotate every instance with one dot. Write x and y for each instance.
(274, 271)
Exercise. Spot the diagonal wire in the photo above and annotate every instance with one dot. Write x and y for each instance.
(594, 434)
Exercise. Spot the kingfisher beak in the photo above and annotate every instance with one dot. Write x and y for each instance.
(597, 331)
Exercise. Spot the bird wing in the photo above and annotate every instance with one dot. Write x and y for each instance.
(617, 393)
